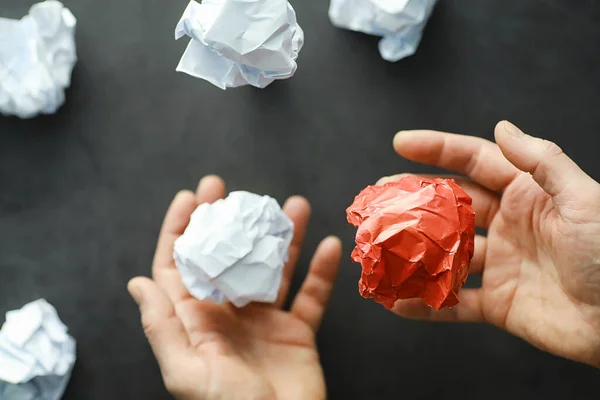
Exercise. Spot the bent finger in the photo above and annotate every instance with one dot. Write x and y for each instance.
(477, 158)
(478, 260)
(486, 203)
(468, 309)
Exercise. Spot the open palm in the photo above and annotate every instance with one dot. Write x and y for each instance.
(212, 351)
(540, 259)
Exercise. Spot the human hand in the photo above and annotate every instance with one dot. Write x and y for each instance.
(210, 351)
(541, 258)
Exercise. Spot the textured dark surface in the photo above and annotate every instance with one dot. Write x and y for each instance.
(83, 192)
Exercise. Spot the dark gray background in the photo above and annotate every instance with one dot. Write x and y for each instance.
(83, 192)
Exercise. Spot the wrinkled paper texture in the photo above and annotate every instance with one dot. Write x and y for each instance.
(415, 239)
(400, 23)
(240, 42)
(36, 353)
(37, 56)
(234, 249)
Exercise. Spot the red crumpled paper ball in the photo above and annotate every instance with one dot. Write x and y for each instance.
(415, 239)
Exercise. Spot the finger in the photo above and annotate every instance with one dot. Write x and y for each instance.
(478, 260)
(297, 209)
(164, 271)
(553, 170)
(313, 297)
(210, 189)
(174, 224)
(162, 327)
(395, 177)
(467, 310)
(485, 202)
(475, 157)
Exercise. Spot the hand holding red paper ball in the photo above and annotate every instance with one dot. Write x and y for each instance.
(415, 239)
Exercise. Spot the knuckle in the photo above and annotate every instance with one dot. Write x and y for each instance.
(551, 149)
(150, 329)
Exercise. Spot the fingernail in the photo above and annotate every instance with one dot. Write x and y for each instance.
(401, 133)
(180, 193)
(513, 130)
(206, 180)
(135, 292)
(203, 180)
(333, 238)
(296, 198)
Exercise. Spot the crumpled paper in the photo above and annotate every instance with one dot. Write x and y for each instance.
(399, 22)
(234, 249)
(37, 56)
(415, 239)
(240, 42)
(36, 353)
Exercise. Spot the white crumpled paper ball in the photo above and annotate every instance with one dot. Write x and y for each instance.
(235, 249)
(240, 42)
(400, 23)
(37, 56)
(36, 353)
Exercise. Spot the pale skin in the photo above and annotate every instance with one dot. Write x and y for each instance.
(540, 266)
(540, 260)
(209, 351)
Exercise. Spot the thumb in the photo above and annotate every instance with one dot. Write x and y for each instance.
(553, 170)
(162, 327)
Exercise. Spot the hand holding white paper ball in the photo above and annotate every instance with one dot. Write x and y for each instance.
(235, 249)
